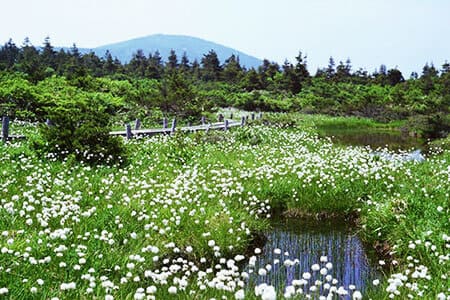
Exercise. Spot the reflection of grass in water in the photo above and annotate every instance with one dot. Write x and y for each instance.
(374, 138)
(307, 241)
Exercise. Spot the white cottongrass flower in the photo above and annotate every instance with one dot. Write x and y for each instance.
(289, 292)
(68, 286)
(441, 296)
(315, 267)
(356, 295)
(239, 295)
(239, 257)
(262, 272)
(269, 293)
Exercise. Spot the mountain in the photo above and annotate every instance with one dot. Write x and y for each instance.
(194, 47)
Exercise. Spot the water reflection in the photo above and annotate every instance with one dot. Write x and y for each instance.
(306, 242)
(375, 138)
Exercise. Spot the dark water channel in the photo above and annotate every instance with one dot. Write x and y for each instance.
(307, 241)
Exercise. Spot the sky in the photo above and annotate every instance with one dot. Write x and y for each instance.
(403, 34)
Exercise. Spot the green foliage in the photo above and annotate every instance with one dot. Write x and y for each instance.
(178, 191)
(430, 126)
(180, 148)
(211, 67)
(80, 128)
(190, 89)
(179, 97)
(17, 96)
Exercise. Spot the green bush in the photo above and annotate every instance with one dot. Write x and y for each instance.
(430, 126)
(80, 128)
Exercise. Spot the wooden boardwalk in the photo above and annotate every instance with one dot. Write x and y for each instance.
(129, 133)
(195, 128)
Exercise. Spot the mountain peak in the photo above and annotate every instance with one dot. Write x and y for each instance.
(194, 47)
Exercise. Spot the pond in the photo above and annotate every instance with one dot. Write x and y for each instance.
(329, 251)
(375, 138)
(303, 243)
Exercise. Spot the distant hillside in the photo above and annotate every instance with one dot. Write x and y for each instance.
(194, 48)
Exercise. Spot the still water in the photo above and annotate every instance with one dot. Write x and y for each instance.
(305, 242)
(393, 140)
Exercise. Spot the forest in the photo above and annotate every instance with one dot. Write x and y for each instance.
(34, 80)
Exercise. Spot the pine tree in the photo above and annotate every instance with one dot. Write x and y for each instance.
(428, 78)
(330, 71)
(172, 61)
(9, 55)
(138, 64)
(155, 68)
(251, 81)
(267, 73)
(184, 64)
(301, 70)
(290, 79)
(195, 70)
(48, 55)
(29, 62)
(394, 77)
(232, 71)
(109, 67)
(93, 64)
(211, 69)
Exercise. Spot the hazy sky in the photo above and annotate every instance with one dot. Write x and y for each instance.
(402, 33)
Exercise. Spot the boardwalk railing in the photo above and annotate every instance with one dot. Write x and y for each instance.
(223, 124)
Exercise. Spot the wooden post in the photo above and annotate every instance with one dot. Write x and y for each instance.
(128, 132)
(165, 123)
(203, 120)
(226, 125)
(231, 116)
(260, 115)
(137, 124)
(246, 118)
(242, 121)
(174, 125)
(253, 116)
(5, 128)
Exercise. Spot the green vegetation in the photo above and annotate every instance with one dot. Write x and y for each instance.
(85, 215)
(160, 225)
(148, 87)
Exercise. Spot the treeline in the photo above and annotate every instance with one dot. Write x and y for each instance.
(177, 85)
